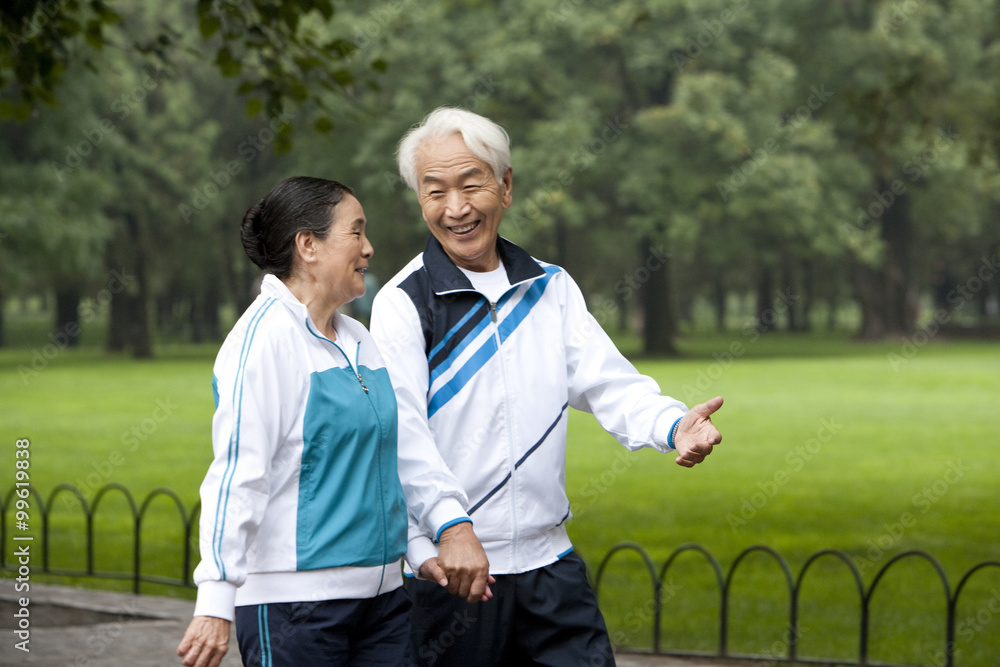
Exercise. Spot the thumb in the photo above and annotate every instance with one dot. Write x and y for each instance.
(431, 571)
(708, 407)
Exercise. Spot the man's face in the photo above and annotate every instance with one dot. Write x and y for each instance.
(461, 201)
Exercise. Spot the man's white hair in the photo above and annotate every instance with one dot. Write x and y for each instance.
(487, 140)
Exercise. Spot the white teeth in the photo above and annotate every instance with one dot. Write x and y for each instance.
(464, 228)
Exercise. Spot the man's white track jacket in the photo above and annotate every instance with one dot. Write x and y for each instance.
(302, 501)
(483, 390)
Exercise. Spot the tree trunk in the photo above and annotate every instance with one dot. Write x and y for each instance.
(140, 338)
(621, 308)
(808, 296)
(659, 326)
(792, 305)
(766, 314)
(900, 294)
(869, 289)
(67, 313)
(719, 299)
(118, 318)
(887, 295)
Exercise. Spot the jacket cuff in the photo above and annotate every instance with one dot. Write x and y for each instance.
(446, 513)
(664, 427)
(216, 598)
(418, 550)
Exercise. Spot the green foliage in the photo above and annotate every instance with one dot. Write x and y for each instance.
(886, 451)
(756, 143)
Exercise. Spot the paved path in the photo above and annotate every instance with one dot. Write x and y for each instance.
(77, 627)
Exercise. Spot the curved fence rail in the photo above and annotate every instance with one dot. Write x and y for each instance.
(794, 585)
(187, 522)
(138, 512)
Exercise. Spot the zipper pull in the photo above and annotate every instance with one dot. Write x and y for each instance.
(493, 312)
(362, 383)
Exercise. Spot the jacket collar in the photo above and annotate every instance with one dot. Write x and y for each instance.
(274, 287)
(446, 277)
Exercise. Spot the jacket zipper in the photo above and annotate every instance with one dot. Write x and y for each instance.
(356, 368)
(510, 436)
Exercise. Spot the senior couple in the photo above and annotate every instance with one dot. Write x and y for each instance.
(440, 436)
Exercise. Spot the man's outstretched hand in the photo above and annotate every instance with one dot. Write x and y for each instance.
(696, 434)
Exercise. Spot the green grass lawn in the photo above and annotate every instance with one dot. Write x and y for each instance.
(870, 449)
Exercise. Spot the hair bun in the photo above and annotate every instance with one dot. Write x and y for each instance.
(250, 235)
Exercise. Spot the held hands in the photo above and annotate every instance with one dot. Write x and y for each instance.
(205, 642)
(461, 565)
(696, 434)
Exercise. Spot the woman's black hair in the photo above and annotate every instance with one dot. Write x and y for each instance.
(297, 204)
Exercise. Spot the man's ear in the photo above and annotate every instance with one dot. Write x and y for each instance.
(508, 188)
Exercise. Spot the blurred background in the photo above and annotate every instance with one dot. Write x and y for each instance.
(696, 165)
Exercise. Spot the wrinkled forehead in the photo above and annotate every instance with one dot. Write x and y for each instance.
(448, 156)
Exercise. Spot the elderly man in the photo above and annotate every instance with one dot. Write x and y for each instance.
(487, 348)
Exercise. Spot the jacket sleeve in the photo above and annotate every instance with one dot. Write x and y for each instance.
(435, 499)
(246, 432)
(602, 381)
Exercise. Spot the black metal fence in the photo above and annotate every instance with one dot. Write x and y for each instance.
(44, 508)
(794, 585)
(188, 521)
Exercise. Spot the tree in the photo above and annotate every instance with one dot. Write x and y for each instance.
(279, 50)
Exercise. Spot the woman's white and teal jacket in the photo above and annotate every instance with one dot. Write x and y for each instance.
(303, 500)
(483, 391)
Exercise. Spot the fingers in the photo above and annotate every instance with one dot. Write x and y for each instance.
(431, 571)
(205, 642)
(464, 562)
(488, 594)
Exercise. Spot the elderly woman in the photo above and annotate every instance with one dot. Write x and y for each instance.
(303, 520)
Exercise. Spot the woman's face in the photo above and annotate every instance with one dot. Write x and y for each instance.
(342, 257)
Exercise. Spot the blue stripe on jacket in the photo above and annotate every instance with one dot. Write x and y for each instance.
(234, 440)
(506, 327)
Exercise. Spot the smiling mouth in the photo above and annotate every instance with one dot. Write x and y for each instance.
(363, 270)
(462, 230)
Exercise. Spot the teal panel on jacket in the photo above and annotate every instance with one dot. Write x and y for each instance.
(351, 505)
(215, 390)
